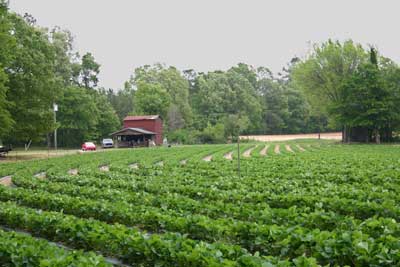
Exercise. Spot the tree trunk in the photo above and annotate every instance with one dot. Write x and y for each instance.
(343, 135)
(348, 133)
(319, 127)
(387, 135)
(377, 137)
(27, 145)
(48, 141)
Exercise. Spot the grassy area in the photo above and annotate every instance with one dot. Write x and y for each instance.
(38, 153)
(19, 154)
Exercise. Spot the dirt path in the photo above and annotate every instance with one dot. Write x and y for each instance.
(73, 172)
(300, 148)
(285, 137)
(277, 149)
(208, 158)
(288, 148)
(104, 168)
(247, 153)
(263, 151)
(6, 181)
(228, 156)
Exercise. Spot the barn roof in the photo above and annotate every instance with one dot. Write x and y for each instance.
(132, 131)
(142, 117)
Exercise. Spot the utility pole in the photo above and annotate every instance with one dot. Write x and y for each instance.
(55, 109)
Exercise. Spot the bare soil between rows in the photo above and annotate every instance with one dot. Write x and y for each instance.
(286, 137)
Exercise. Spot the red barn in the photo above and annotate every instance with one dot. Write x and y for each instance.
(140, 130)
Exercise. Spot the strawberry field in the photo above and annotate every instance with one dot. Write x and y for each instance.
(294, 204)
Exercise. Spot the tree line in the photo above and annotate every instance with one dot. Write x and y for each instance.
(40, 68)
(215, 106)
(337, 86)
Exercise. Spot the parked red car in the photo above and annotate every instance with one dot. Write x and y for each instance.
(88, 146)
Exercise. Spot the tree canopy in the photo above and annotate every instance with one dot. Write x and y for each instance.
(337, 86)
(353, 88)
(38, 69)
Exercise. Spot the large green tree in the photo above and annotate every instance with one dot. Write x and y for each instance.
(7, 44)
(322, 75)
(368, 102)
(85, 115)
(299, 111)
(275, 106)
(390, 73)
(151, 99)
(77, 116)
(209, 98)
(62, 42)
(85, 73)
(219, 94)
(179, 113)
(32, 82)
(108, 120)
(242, 80)
(122, 101)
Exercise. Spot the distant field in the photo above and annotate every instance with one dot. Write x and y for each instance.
(311, 203)
(38, 153)
(285, 137)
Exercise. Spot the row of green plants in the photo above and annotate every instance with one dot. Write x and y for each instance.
(183, 205)
(335, 205)
(128, 244)
(18, 249)
(280, 241)
(346, 201)
(270, 184)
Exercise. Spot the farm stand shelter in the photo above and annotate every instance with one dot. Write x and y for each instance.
(130, 137)
(139, 130)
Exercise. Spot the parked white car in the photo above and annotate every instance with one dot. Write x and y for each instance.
(107, 143)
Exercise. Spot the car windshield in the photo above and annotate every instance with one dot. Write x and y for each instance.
(107, 140)
(89, 144)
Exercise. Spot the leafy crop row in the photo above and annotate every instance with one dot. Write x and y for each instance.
(329, 206)
(22, 250)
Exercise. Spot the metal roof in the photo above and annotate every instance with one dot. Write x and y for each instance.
(138, 130)
(142, 117)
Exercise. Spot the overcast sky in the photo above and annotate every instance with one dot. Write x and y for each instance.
(212, 34)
